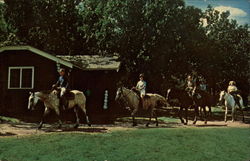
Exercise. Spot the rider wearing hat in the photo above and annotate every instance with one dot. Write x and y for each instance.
(62, 82)
(141, 88)
(233, 90)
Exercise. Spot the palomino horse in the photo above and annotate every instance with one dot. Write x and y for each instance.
(184, 102)
(132, 101)
(230, 103)
(51, 102)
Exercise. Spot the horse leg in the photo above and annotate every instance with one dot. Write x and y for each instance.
(196, 114)
(133, 116)
(225, 117)
(186, 115)
(46, 112)
(150, 116)
(83, 107)
(59, 117)
(233, 113)
(156, 120)
(180, 115)
(77, 118)
(205, 114)
(242, 112)
(200, 111)
(210, 111)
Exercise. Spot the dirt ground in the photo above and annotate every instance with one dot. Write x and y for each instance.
(27, 129)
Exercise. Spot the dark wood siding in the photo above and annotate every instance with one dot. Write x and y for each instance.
(92, 83)
(15, 100)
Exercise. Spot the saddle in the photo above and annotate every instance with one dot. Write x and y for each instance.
(69, 95)
(236, 98)
(138, 93)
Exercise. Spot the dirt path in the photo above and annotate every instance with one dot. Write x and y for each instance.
(27, 129)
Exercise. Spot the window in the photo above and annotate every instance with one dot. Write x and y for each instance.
(21, 78)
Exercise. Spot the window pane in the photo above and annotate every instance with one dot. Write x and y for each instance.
(26, 78)
(14, 78)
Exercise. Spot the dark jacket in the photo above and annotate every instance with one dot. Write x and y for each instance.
(62, 82)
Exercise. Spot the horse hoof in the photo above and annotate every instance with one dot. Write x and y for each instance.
(39, 127)
(134, 124)
(147, 124)
(76, 126)
(157, 124)
(185, 123)
(205, 122)
(194, 122)
(89, 125)
(59, 126)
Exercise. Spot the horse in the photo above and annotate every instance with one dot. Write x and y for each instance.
(203, 99)
(184, 101)
(230, 103)
(51, 102)
(132, 101)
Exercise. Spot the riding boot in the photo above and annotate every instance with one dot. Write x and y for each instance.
(237, 101)
(63, 103)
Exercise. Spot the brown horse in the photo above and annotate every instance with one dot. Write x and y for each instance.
(51, 102)
(132, 101)
(204, 100)
(184, 101)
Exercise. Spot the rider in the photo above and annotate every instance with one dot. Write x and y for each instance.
(203, 85)
(62, 83)
(233, 90)
(141, 87)
(191, 85)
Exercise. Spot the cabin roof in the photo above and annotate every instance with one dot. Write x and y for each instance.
(93, 62)
(83, 62)
(38, 52)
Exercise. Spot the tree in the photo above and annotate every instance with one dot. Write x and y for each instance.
(47, 24)
(228, 49)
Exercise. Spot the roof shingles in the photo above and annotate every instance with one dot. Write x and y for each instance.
(93, 62)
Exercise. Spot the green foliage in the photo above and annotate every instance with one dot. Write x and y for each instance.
(166, 40)
(227, 144)
(3, 24)
(9, 119)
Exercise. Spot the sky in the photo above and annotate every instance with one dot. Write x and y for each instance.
(239, 9)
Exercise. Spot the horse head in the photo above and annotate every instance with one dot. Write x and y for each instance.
(118, 93)
(32, 101)
(222, 95)
(168, 94)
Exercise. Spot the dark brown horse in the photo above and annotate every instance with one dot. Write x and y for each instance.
(204, 100)
(184, 101)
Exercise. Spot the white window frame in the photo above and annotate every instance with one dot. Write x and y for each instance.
(20, 83)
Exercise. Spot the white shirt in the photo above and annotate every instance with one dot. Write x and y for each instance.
(141, 86)
(232, 89)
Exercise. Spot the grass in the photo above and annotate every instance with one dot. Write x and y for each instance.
(163, 144)
(9, 119)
